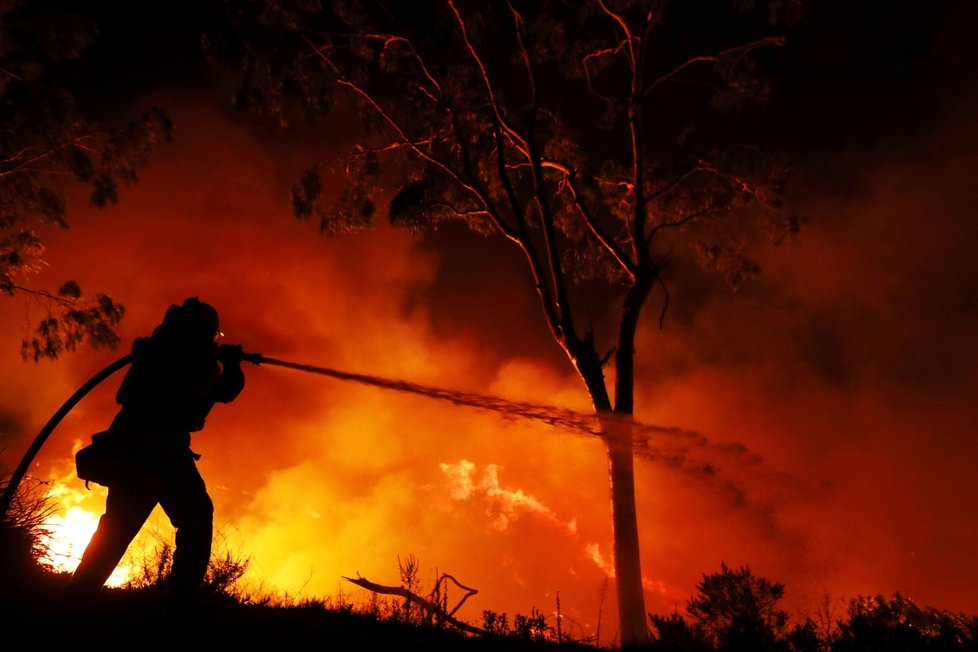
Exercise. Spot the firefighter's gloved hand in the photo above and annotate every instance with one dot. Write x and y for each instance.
(230, 353)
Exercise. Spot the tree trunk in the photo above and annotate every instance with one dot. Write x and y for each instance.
(617, 429)
(624, 519)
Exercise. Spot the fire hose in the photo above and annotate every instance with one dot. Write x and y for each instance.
(18, 475)
(542, 413)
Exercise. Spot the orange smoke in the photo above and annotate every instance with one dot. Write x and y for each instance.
(832, 402)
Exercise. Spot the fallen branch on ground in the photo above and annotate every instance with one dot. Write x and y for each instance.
(426, 604)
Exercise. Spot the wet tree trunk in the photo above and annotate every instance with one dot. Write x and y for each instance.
(628, 565)
(617, 425)
(624, 518)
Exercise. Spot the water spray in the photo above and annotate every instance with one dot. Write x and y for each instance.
(587, 424)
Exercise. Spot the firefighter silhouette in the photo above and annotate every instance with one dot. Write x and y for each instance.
(176, 377)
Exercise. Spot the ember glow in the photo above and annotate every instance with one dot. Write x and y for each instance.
(834, 396)
(69, 533)
(71, 525)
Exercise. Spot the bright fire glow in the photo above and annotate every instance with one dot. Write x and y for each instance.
(319, 480)
(67, 535)
(67, 531)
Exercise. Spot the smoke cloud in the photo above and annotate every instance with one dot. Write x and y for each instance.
(824, 413)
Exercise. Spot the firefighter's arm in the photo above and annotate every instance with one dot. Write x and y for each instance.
(232, 378)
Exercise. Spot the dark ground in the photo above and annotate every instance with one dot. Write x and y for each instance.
(47, 614)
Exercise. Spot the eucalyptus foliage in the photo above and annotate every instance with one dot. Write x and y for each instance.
(47, 144)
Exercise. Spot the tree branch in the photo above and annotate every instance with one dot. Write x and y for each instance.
(460, 212)
(563, 309)
(553, 305)
(686, 219)
(390, 39)
(587, 71)
(79, 141)
(741, 49)
(412, 144)
(483, 195)
(519, 26)
(43, 294)
(510, 131)
(635, 133)
(362, 150)
(665, 302)
(428, 605)
(742, 184)
(670, 185)
(607, 242)
(618, 18)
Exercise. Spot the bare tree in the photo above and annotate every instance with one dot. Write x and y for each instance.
(603, 139)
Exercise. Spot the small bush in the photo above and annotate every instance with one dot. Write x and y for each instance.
(673, 633)
(876, 623)
(23, 535)
(224, 571)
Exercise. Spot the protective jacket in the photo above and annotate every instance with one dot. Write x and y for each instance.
(167, 393)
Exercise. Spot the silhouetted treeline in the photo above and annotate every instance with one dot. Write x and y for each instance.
(734, 611)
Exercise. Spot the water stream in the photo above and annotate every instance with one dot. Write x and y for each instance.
(674, 446)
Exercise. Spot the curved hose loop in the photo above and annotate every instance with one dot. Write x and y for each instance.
(25, 462)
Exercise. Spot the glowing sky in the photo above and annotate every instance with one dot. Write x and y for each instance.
(847, 371)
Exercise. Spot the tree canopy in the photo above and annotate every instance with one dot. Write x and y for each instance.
(524, 119)
(47, 143)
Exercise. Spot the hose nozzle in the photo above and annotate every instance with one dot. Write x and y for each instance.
(253, 358)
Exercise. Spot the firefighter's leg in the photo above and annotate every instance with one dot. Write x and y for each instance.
(192, 513)
(126, 509)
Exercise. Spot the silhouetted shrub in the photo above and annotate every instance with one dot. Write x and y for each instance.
(734, 611)
(804, 637)
(877, 624)
(224, 571)
(494, 622)
(738, 611)
(532, 627)
(23, 535)
(673, 633)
